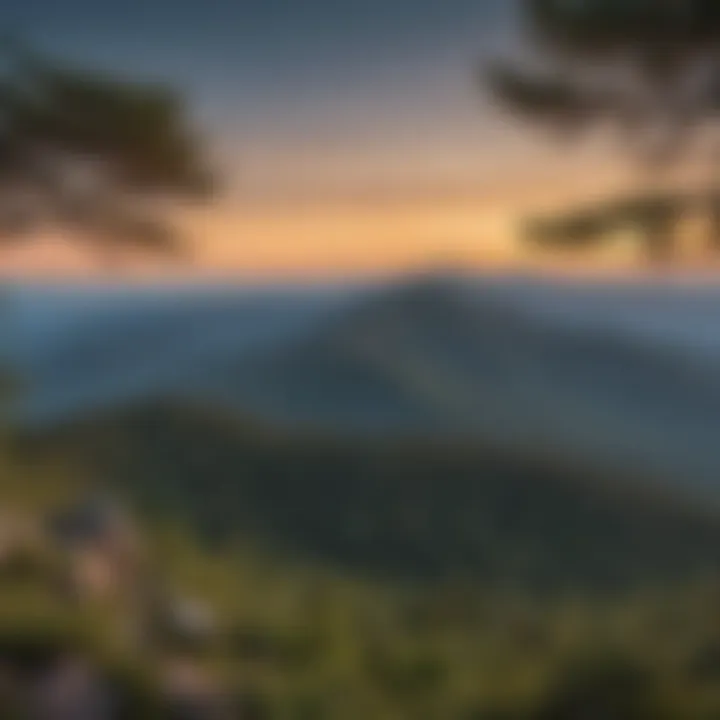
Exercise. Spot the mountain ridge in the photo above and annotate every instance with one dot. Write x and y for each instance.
(403, 510)
(431, 354)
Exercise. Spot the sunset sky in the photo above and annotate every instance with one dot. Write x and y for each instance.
(352, 132)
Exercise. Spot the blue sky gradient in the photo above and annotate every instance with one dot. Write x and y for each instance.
(325, 96)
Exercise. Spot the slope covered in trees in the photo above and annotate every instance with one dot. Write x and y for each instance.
(401, 509)
(354, 579)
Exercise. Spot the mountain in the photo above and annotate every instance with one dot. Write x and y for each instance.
(622, 380)
(435, 357)
(399, 510)
(423, 428)
(88, 349)
(380, 477)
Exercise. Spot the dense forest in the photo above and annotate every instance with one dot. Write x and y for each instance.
(357, 579)
(405, 510)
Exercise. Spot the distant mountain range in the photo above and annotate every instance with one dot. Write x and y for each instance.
(620, 379)
(517, 433)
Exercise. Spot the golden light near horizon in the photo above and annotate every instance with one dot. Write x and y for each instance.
(304, 239)
(308, 244)
(346, 238)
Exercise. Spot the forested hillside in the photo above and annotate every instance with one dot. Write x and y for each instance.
(405, 510)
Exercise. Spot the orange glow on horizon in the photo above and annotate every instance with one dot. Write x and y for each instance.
(276, 240)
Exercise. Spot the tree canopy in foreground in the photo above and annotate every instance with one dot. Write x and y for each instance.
(649, 70)
(95, 154)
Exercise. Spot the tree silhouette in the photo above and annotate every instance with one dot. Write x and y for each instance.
(654, 215)
(647, 69)
(94, 154)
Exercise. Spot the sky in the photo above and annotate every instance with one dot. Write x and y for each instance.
(353, 134)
